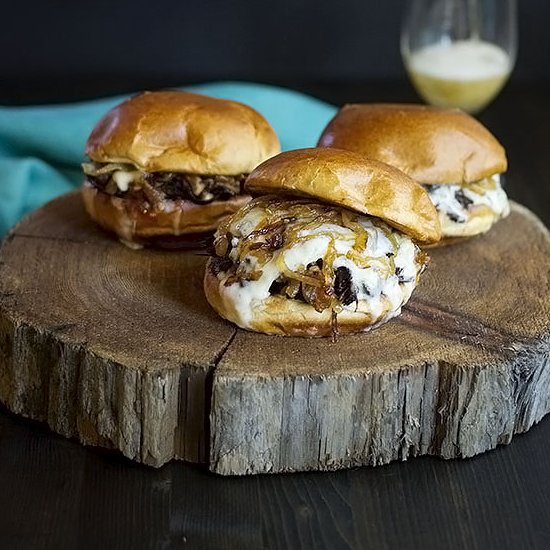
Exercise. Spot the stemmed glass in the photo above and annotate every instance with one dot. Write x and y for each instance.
(459, 53)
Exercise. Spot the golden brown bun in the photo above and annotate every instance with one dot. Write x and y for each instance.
(183, 132)
(350, 180)
(481, 219)
(287, 317)
(430, 144)
(133, 224)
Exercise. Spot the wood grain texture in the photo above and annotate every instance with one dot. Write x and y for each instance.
(102, 343)
(119, 349)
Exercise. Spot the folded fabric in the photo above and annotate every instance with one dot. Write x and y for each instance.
(41, 148)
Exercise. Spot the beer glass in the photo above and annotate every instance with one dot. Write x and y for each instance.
(459, 53)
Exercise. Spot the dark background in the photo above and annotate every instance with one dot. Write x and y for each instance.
(61, 50)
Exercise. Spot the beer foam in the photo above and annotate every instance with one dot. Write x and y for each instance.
(461, 60)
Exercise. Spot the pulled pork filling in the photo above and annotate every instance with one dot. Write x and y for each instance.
(125, 180)
(457, 202)
(328, 257)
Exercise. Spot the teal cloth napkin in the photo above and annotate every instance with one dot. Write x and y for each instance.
(41, 148)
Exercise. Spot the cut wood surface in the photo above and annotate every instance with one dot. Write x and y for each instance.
(120, 349)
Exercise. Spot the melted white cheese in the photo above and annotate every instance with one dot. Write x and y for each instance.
(444, 198)
(123, 179)
(375, 285)
(242, 227)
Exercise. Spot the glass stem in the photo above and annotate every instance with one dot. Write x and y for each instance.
(473, 19)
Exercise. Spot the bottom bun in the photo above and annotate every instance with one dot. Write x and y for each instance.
(287, 317)
(469, 209)
(181, 224)
(481, 218)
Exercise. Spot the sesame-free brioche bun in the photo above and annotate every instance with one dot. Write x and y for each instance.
(174, 131)
(185, 225)
(281, 316)
(479, 223)
(430, 144)
(347, 179)
(480, 220)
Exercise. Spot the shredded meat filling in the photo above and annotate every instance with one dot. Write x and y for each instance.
(272, 237)
(219, 264)
(319, 295)
(159, 186)
(343, 287)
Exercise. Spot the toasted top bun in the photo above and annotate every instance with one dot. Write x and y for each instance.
(183, 132)
(430, 144)
(347, 179)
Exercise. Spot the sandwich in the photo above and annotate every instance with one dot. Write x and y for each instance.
(457, 160)
(166, 167)
(328, 246)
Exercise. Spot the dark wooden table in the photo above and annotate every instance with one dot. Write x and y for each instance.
(56, 494)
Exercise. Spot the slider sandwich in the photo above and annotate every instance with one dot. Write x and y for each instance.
(328, 246)
(166, 167)
(457, 160)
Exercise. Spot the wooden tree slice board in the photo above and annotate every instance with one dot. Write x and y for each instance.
(119, 348)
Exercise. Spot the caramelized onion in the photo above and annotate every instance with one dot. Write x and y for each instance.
(361, 237)
(268, 226)
(221, 245)
(289, 274)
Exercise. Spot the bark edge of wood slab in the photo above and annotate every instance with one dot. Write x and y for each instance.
(119, 349)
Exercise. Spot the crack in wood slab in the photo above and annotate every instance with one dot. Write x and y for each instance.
(459, 327)
(62, 327)
(223, 350)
